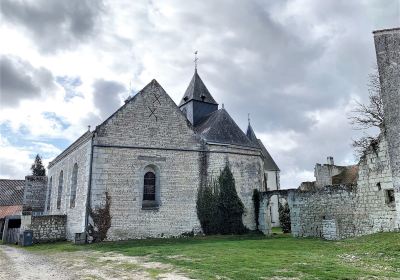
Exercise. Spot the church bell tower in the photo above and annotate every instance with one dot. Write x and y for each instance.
(197, 102)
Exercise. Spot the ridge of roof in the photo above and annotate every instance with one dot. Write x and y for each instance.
(219, 127)
(72, 147)
(197, 90)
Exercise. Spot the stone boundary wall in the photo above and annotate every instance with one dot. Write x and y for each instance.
(354, 210)
(49, 228)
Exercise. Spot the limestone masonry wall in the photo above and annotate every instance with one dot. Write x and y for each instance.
(120, 171)
(47, 228)
(353, 210)
(247, 169)
(80, 155)
(387, 46)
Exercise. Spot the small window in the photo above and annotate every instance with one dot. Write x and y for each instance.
(149, 187)
(49, 193)
(378, 185)
(390, 197)
(74, 183)
(60, 189)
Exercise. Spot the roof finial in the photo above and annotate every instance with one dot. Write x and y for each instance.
(248, 117)
(88, 128)
(223, 107)
(195, 61)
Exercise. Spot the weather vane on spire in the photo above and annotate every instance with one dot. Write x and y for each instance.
(248, 117)
(195, 60)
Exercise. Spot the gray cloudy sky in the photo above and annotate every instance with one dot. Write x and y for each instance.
(296, 66)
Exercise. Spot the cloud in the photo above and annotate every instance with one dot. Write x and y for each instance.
(16, 160)
(20, 80)
(106, 96)
(54, 25)
(294, 65)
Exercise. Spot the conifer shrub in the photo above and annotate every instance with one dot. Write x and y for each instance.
(37, 167)
(219, 207)
(284, 217)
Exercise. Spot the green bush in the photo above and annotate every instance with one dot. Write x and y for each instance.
(284, 217)
(219, 208)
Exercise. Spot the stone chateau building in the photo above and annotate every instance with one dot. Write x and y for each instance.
(150, 157)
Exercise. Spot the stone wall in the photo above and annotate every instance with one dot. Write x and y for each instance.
(247, 169)
(273, 183)
(387, 46)
(355, 210)
(49, 228)
(130, 142)
(323, 174)
(80, 155)
(35, 194)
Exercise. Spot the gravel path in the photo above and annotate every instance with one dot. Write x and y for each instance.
(18, 264)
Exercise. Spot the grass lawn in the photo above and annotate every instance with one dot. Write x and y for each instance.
(258, 257)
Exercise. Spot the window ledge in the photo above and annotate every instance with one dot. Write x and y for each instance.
(149, 205)
(154, 208)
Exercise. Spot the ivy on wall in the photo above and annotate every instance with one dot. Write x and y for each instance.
(284, 217)
(101, 218)
(256, 201)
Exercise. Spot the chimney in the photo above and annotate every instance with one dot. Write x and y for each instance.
(330, 160)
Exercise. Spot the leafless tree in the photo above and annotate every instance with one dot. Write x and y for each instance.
(365, 116)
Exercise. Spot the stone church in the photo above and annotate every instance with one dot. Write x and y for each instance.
(150, 157)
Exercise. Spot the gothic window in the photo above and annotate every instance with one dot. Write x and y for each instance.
(49, 193)
(149, 187)
(74, 182)
(60, 188)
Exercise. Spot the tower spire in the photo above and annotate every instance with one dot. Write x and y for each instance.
(195, 61)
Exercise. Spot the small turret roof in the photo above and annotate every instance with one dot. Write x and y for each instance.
(197, 90)
(251, 135)
(269, 163)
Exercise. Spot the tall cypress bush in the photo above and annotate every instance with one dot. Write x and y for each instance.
(219, 207)
(230, 206)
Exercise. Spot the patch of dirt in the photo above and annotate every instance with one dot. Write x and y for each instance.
(17, 263)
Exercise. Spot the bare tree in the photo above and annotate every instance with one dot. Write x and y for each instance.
(370, 115)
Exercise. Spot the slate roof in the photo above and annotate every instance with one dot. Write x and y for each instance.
(251, 135)
(269, 163)
(197, 90)
(11, 192)
(219, 127)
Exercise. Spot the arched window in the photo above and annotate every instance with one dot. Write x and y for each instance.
(49, 193)
(149, 187)
(74, 182)
(60, 188)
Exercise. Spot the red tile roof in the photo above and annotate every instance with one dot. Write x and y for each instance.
(10, 210)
